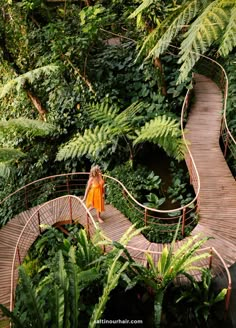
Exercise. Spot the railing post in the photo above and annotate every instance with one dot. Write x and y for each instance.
(183, 220)
(145, 217)
(226, 144)
(227, 300)
(210, 259)
(70, 209)
(191, 172)
(26, 199)
(67, 185)
(88, 228)
(38, 214)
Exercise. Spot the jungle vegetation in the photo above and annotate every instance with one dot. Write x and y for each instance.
(98, 81)
(94, 81)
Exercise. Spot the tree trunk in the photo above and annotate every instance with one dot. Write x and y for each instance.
(10, 60)
(158, 64)
(37, 104)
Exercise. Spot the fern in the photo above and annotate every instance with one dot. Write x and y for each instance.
(206, 29)
(210, 22)
(27, 127)
(10, 154)
(120, 123)
(170, 27)
(145, 4)
(165, 132)
(29, 77)
(90, 144)
(103, 113)
(229, 37)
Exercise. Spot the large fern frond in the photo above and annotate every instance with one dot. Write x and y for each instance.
(102, 113)
(145, 4)
(5, 170)
(173, 24)
(10, 154)
(206, 29)
(120, 123)
(165, 132)
(229, 37)
(29, 77)
(90, 144)
(27, 127)
(124, 121)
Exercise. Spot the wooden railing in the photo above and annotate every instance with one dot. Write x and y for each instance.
(211, 68)
(47, 214)
(214, 263)
(45, 189)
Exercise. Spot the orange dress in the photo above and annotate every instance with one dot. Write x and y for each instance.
(95, 195)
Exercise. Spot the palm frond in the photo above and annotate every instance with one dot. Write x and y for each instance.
(29, 77)
(57, 305)
(27, 127)
(90, 144)
(229, 37)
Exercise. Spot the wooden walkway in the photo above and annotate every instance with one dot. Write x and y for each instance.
(217, 196)
(218, 188)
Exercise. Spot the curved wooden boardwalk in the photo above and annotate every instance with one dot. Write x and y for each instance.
(218, 188)
(217, 195)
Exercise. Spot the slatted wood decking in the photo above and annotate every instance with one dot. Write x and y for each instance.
(218, 188)
(217, 196)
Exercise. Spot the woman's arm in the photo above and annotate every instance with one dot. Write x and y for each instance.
(87, 189)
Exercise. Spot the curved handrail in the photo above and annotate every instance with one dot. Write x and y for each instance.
(217, 269)
(28, 191)
(35, 216)
(212, 68)
(189, 161)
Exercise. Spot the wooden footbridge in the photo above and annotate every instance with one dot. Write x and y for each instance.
(57, 199)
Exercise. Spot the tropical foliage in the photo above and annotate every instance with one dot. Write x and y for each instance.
(199, 24)
(74, 88)
(162, 130)
(72, 283)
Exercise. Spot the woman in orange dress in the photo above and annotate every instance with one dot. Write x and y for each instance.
(94, 193)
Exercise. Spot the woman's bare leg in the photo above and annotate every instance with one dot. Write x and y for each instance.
(99, 217)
